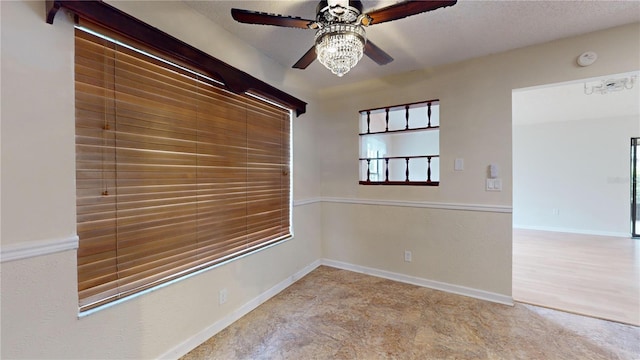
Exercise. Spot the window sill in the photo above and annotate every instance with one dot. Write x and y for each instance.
(415, 183)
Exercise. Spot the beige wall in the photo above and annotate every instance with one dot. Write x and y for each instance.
(370, 226)
(39, 304)
(37, 125)
(460, 247)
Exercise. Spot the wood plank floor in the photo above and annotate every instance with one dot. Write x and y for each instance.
(597, 276)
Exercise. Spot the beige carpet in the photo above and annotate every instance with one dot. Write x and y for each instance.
(337, 314)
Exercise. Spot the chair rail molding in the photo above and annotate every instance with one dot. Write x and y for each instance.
(31, 249)
(423, 204)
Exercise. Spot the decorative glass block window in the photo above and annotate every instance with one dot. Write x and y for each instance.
(400, 145)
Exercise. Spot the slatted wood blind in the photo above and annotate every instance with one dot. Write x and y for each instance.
(173, 173)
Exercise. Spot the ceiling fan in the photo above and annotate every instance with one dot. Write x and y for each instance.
(340, 39)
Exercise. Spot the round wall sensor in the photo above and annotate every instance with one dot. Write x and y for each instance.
(587, 58)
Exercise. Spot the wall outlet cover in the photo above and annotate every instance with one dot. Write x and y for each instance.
(222, 296)
(407, 256)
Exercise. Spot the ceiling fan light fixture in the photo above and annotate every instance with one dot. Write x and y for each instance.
(340, 36)
(339, 47)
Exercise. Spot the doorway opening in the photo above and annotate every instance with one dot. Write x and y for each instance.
(571, 208)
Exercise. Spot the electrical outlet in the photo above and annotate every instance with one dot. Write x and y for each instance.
(222, 296)
(407, 256)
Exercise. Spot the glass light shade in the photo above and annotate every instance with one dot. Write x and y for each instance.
(340, 46)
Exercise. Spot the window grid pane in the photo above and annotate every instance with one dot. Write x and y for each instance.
(399, 145)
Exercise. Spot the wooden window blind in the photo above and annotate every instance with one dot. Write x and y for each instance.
(173, 173)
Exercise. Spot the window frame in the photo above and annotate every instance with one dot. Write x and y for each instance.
(122, 27)
(129, 145)
(380, 163)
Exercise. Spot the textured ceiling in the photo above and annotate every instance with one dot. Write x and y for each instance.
(568, 102)
(466, 30)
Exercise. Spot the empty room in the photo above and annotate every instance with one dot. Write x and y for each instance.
(292, 179)
(575, 246)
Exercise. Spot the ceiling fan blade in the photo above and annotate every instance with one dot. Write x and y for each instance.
(261, 18)
(402, 10)
(306, 59)
(376, 54)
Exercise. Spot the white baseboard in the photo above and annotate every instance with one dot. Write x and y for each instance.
(573, 231)
(437, 285)
(219, 325)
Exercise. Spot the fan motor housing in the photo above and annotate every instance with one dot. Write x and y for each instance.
(327, 14)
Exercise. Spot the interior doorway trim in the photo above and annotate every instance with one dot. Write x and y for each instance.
(635, 192)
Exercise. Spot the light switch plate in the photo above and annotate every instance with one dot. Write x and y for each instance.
(458, 165)
(494, 184)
